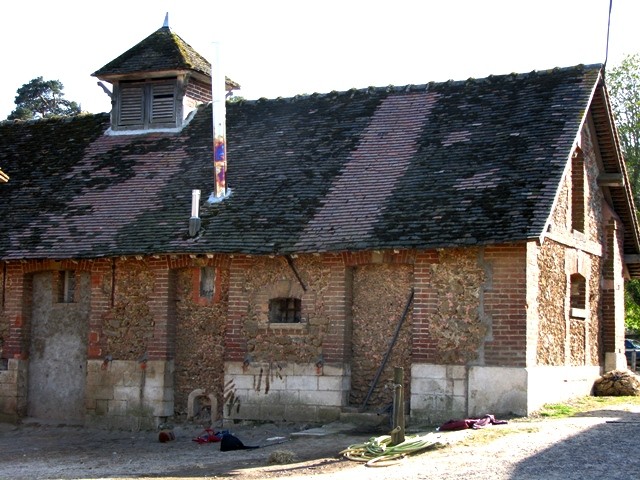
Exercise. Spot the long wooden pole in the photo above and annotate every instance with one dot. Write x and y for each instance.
(397, 434)
(388, 354)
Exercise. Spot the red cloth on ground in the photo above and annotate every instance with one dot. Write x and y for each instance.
(470, 423)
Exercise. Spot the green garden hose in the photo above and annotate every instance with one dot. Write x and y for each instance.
(378, 451)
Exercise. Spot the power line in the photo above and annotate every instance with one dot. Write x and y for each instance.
(606, 53)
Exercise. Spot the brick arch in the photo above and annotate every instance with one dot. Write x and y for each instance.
(281, 289)
(68, 264)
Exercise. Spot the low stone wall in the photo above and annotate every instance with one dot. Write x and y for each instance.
(498, 391)
(558, 384)
(13, 390)
(438, 393)
(443, 392)
(129, 394)
(284, 392)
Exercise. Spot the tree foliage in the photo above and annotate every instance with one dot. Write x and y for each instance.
(624, 88)
(632, 305)
(41, 98)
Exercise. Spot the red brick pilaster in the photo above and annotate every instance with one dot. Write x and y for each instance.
(18, 310)
(424, 306)
(336, 346)
(102, 272)
(161, 346)
(235, 347)
(505, 302)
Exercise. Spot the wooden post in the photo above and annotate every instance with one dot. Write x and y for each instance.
(397, 433)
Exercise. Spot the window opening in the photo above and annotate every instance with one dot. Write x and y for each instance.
(578, 296)
(66, 286)
(147, 104)
(207, 282)
(577, 191)
(285, 310)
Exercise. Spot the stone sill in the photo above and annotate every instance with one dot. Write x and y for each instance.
(578, 313)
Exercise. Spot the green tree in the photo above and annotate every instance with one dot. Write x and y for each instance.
(623, 82)
(41, 99)
(632, 305)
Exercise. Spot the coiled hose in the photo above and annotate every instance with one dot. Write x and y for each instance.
(378, 451)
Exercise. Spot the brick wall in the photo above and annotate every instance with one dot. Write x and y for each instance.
(133, 316)
(505, 305)
(199, 332)
(199, 91)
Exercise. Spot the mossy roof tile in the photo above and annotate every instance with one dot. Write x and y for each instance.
(436, 165)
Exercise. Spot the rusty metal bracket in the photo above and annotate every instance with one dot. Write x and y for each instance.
(295, 272)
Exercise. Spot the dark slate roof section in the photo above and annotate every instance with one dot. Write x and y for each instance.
(161, 51)
(437, 165)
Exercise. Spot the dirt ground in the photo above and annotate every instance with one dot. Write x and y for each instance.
(598, 444)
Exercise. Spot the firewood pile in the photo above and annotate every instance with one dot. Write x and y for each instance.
(617, 383)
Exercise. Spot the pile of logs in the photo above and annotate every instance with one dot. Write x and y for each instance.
(617, 383)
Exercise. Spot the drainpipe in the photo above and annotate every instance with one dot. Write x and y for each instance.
(194, 221)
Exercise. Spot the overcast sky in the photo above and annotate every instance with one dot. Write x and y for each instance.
(287, 47)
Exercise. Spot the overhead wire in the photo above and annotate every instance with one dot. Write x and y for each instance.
(606, 52)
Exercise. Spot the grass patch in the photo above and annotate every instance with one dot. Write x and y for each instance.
(582, 405)
(557, 410)
(575, 407)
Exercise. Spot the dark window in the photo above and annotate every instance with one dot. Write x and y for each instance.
(66, 286)
(285, 310)
(146, 105)
(578, 296)
(577, 191)
(207, 282)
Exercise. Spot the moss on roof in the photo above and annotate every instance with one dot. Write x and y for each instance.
(423, 166)
(163, 50)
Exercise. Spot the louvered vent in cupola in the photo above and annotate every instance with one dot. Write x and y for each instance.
(158, 83)
(148, 104)
(131, 105)
(163, 103)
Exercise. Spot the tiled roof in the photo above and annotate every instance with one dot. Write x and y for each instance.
(161, 51)
(437, 165)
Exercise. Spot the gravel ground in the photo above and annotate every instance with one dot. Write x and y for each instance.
(599, 444)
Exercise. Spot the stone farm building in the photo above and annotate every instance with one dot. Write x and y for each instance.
(496, 213)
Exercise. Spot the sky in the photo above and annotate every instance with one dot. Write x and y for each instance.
(284, 48)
